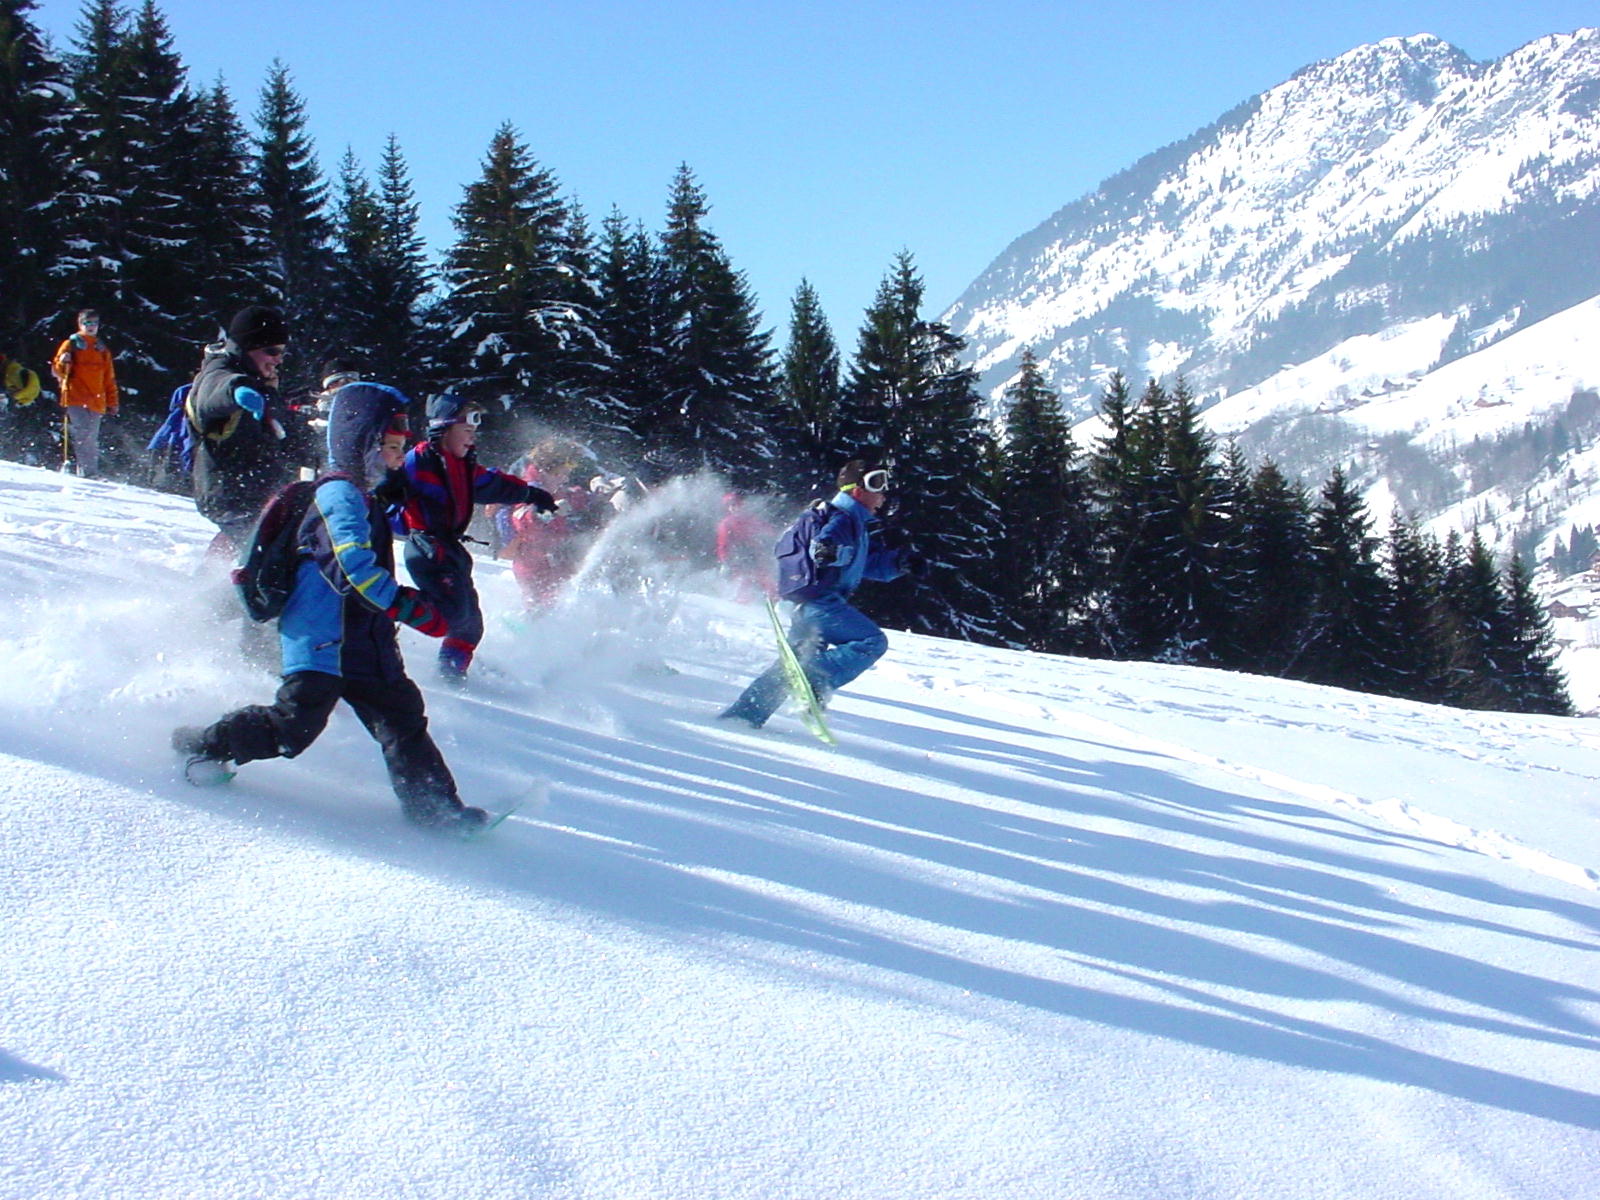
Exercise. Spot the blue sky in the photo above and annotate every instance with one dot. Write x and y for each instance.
(828, 135)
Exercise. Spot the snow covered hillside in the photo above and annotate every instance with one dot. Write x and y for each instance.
(1041, 927)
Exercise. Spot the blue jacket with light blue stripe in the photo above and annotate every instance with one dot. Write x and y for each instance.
(849, 531)
(335, 621)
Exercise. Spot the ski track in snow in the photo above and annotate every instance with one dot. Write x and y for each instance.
(1040, 927)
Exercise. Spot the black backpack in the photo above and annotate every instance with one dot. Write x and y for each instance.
(270, 557)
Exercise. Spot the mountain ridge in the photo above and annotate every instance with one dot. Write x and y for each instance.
(1399, 176)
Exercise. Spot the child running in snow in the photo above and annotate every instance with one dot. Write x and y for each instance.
(834, 641)
(444, 481)
(545, 550)
(338, 628)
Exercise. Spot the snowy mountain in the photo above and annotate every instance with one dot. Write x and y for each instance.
(1041, 927)
(1396, 183)
(1389, 255)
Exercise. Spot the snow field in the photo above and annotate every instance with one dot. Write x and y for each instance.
(1041, 928)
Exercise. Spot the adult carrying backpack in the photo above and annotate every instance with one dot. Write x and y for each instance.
(270, 558)
(799, 578)
(172, 447)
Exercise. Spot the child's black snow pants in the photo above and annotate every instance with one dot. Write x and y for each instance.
(392, 711)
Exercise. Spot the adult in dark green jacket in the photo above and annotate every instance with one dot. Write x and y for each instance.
(240, 458)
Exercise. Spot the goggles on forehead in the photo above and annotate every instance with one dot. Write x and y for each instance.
(876, 481)
(472, 417)
(397, 423)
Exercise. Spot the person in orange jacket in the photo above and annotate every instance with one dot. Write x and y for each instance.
(82, 367)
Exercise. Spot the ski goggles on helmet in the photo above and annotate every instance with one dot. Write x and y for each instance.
(876, 481)
(472, 416)
(397, 423)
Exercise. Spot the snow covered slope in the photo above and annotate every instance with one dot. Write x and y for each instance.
(1398, 185)
(1040, 928)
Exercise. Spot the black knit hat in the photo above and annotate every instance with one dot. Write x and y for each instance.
(258, 326)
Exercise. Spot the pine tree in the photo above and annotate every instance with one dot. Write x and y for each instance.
(1275, 622)
(810, 386)
(39, 181)
(1479, 666)
(1233, 573)
(521, 331)
(719, 407)
(1424, 625)
(1045, 557)
(1350, 645)
(911, 403)
(1532, 681)
(381, 272)
(1135, 618)
(232, 260)
(1189, 523)
(630, 318)
(296, 198)
(91, 271)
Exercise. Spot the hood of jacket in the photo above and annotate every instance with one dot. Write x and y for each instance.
(356, 420)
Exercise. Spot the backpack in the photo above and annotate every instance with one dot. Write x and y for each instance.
(799, 578)
(270, 557)
(172, 448)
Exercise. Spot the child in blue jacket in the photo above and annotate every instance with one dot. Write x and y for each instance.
(338, 627)
(833, 640)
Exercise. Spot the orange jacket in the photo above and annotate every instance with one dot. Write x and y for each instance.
(83, 366)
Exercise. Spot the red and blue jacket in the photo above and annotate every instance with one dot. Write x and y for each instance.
(441, 490)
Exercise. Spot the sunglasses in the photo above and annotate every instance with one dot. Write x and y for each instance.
(272, 351)
(876, 481)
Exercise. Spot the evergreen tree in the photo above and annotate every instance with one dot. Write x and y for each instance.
(1233, 573)
(719, 406)
(382, 271)
(299, 228)
(911, 403)
(630, 319)
(102, 134)
(1479, 669)
(521, 331)
(810, 387)
(1046, 550)
(1530, 677)
(136, 119)
(1135, 617)
(1276, 620)
(232, 260)
(161, 235)
(39, 181)
(1424, 626)
(1189, 521)
(1350, 644)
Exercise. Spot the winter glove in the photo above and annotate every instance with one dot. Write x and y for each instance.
(411, 608)
(824, 554)
(431, 547)
(541, 500)
(252, 401)
(392, 491)
(916, 566)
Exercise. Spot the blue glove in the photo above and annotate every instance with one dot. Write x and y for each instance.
(252, 401)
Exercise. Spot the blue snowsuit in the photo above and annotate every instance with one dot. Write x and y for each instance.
(834, 641)
(339, 641)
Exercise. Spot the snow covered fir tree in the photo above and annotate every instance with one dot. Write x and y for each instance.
(125, 188)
